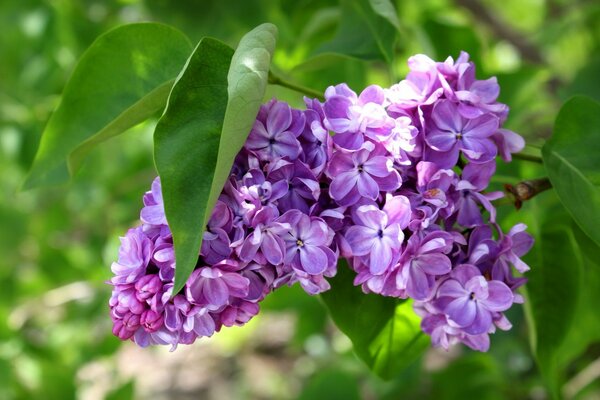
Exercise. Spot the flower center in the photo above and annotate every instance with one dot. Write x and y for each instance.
(459, 135)
(360, 168)
(299, 243)
(472, 296)
(380, 233)
(432, 192)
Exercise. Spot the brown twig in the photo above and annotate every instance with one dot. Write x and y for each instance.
(525, 190)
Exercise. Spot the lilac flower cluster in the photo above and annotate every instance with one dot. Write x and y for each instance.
(410, 166)
(392, 179)
(266, 230)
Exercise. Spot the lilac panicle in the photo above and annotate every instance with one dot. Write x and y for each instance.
(393, 179)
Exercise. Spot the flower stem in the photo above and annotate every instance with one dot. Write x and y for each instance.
(525, 190)
(527, 157)
(275, 80)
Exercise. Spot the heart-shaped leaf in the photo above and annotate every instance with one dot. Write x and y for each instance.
(122, 79)
(209, 115)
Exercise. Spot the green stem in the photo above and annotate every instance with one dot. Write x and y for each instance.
(275, 80)
(527, 157)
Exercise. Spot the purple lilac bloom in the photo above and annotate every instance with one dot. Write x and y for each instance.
(394, 179)
(275, 135)
(469, 301)
(362, 173)
(451, 133)
(307, 243)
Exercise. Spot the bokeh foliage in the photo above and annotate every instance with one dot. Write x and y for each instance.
(57, 243)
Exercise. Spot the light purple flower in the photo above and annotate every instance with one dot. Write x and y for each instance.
(422, 261)
(351, 116)
(474, 179)
(451, 133)
(153, 212)
(134, 256)
(469, 300)
(307, 243)
(363, 173)
(377, 236)
(265, 244)
(302, 187)
(212, 287)
(276, 135)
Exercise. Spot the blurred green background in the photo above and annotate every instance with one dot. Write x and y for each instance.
(57, 244)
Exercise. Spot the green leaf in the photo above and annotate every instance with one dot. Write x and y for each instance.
(331, 384)
(384, 331)
(385, 9)
(572, 162)
(363, 33)
(552, 288)
(120, 81)
(563, 283)
(485, 380)
(210, 112)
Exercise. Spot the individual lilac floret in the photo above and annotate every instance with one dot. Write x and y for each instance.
(363, 173)
(352, 117)
(134, 255)
(377, 236)
(212, 287)
(468, 198)
(422, 261)
(275, 134)
(470, 301)
(307, 243)
(451, 133)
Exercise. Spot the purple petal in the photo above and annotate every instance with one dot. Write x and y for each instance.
(379, 166)
(272, 249)
(451, 288)
(313, 260)
(446, 116)
(481, 323)
(279, 119)
(367, 187)
(418, 285)
(441, 140)
(215, 291)
(343, 184)
(433, 263)
(372, 94)
(398, 210)
(481, 127)
(469, 213)
(360, 239)
(462, 311)
(380, 259)
(237, 284)
(500, 297)
(478, 150)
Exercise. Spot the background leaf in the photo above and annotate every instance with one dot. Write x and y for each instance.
(385, 9)
(554, 282)
(362, 33)
(121, 80)
(209, 115)
(573, 169)
(385, 332)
